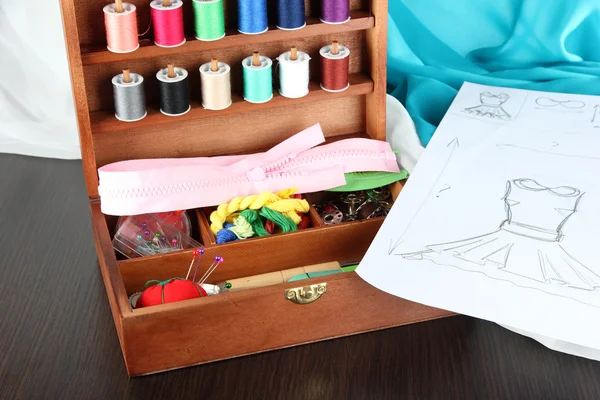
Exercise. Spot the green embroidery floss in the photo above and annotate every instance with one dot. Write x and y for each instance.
(209, 19)
(258, 78)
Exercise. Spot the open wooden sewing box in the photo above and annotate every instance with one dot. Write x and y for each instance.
(233, 324)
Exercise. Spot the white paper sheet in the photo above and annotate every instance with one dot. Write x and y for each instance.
(501, 217)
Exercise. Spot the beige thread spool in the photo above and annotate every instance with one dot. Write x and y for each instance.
(215, 85)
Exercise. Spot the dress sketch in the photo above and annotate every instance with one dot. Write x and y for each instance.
(491, 106)
(528, 242)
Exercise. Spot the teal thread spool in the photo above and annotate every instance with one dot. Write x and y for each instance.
(209, 19)
(258, 78)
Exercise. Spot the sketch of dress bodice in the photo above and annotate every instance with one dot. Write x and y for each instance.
(538, 211)
(490, 99)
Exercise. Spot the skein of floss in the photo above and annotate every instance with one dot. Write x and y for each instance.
(335, 63)
(128, 94)
(120, 22)
(215, 82)
(335, 11)
(258, 78)
(290, 14)
(252, 17)
(293, 74)
(174, 91)
(167, 19)
(209, 19)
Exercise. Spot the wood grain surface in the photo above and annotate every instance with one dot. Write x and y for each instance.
(58, 340)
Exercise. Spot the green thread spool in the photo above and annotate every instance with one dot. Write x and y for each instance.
(209, 19)
(258, 78)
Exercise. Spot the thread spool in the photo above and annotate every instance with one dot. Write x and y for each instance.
(293, 73)
(120, 22)
(167, 19)
(335, 62)
(128, 95)
(258, 78)
(209, 19)
(290, 14)
(174, 90)
(335, 11)
(252, 17)
(215, 82)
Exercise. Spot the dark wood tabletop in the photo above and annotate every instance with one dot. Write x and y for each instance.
(58, 341)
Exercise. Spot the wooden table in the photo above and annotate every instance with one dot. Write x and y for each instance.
(58, 341)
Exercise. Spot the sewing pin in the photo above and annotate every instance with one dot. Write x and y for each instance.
(195, 254)
(218, 261)
(201, 251)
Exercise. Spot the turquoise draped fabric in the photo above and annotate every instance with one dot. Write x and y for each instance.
(436, 45)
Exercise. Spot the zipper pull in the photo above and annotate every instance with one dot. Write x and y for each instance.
(256, 174)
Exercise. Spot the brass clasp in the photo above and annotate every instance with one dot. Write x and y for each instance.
(306, 294)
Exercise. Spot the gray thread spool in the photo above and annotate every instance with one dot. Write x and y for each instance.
(130, 102)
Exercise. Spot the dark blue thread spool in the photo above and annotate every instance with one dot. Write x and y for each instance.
(290, 14)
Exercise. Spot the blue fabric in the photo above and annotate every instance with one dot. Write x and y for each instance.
(436, 45)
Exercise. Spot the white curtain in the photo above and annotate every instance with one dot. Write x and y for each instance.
(37, 116)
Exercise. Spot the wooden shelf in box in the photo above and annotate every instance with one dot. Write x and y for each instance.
(105, 121)
(360, 20)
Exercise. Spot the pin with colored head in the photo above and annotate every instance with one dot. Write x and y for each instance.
(218, 261)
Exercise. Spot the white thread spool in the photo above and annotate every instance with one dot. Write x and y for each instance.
(215, 82)
(293, 74)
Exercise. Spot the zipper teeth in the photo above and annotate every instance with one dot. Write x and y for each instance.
(292, 162)
(188, 186)
(270, 168)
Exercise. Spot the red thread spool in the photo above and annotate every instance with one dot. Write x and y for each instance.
(170, 291)
(335, 62)
(167, 19)
(121, 28)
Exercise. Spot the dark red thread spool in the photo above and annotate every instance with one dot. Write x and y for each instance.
(335, 63)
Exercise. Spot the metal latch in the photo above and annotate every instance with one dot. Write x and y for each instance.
(306, 294)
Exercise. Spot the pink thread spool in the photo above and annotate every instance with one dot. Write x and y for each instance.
(121, 28)
(167, 19)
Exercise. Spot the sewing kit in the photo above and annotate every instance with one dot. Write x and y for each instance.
(235, 159)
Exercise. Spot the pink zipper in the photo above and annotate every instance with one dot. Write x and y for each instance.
(159, 185)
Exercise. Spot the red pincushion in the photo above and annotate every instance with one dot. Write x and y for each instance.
(172, 290)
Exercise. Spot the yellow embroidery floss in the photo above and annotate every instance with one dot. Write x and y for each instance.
(279, 202)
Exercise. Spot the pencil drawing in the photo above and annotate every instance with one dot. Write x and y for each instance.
(452, 145)
(548, 102)
(491, 106)
(594, 114)
(527, 243)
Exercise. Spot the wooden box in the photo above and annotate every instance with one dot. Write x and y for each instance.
(228, 325)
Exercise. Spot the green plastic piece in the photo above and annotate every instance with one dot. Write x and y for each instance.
(356, 181)
(349, 268)
(314, 275)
